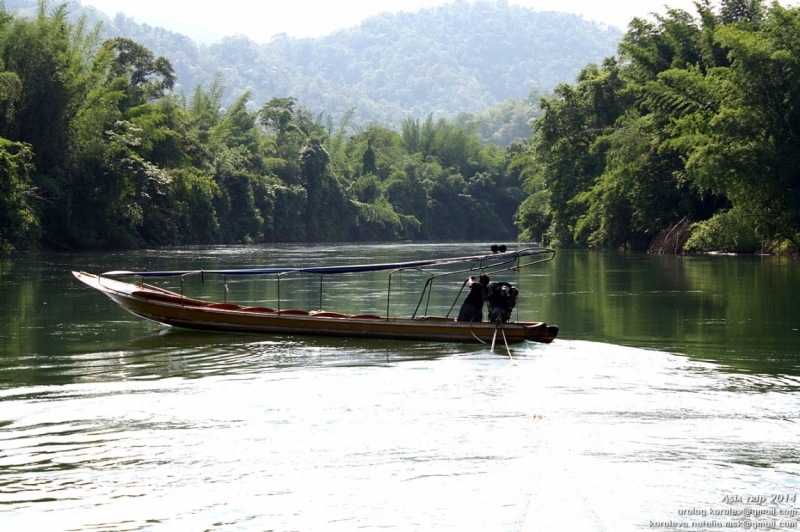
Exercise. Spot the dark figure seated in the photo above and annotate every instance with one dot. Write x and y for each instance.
(472, 308)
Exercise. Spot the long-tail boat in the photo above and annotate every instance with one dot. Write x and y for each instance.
(174, 309)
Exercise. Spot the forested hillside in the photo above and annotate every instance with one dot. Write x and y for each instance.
(460, 57)
(690, 140)
(96, 151)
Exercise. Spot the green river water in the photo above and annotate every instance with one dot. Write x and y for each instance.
(669, 400)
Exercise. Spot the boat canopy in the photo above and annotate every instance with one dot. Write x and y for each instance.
(335, 270)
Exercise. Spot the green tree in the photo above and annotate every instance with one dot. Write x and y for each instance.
(565, 157)
(750, 149)
(140, 75)
(18, 219)
(698, 123)
(50, 57)
(328, 215)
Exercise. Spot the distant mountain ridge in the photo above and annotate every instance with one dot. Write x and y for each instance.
(460, 57)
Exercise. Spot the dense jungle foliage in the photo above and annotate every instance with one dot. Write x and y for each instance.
(692, 132)
(696, 125)
(461, 57)
(98, 152)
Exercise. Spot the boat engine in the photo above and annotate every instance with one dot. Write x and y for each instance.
(502, 298)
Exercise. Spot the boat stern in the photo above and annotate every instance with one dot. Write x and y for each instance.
(540, 332)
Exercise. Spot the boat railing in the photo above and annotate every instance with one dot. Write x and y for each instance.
(483, 265)
(488, 264)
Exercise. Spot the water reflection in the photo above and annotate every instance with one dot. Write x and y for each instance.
(194, 354)
(742, 312)
(109, 422)
(175, 353)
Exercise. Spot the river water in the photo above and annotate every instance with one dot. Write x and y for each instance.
(669, 401)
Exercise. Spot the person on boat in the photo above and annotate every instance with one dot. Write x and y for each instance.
(472, 308)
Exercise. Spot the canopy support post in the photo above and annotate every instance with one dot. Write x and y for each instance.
(389, 294)
(421, 297)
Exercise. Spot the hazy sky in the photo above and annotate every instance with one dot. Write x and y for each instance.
(261, 19)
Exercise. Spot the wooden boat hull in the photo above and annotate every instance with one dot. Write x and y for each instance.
(169, 308)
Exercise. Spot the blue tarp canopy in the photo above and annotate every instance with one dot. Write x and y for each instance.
(334, 270)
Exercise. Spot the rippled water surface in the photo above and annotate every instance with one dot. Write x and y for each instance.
(672, 391)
